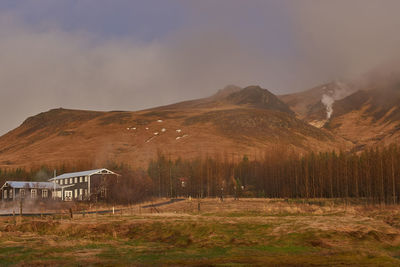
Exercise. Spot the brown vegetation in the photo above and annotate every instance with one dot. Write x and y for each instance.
(251, 231)
(373, 176)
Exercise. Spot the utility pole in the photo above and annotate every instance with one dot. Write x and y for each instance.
(54, 181)
(159, 179)
(170, 175)
(393, 179)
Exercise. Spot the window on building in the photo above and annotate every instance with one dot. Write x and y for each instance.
(10, 193)
(61, 182)
(86, 178)
(103, 192)
(81, 192)
(22, 193)
(5, 194)
(81, 179)
(45, 193)
(33, 193)
(76, 180)
(70, 180)
(76, 193)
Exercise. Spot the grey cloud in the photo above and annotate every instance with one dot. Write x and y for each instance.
(43, 67)
(346, 37)
(47, 68)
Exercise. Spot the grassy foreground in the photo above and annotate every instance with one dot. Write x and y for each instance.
(245, 232)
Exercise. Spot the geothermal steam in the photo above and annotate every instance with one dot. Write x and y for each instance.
(336, 91)
(328, 102)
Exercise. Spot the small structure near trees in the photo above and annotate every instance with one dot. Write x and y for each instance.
(85, 185)
(17, 190)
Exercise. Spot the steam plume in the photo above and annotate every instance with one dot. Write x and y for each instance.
(336, 91)
(328, 102)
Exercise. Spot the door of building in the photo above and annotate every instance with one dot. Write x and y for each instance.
(68, 195)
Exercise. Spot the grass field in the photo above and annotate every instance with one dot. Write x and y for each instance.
(234, 232)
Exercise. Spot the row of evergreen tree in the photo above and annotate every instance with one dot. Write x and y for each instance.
(372, 175)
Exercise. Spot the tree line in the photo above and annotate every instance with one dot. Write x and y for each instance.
(373, 175)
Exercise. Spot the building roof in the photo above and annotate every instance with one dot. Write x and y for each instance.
(30, 184)
(83, 173)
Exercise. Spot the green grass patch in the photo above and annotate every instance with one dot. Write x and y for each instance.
(232, 237)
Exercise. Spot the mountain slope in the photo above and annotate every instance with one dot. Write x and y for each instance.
(368, 117)
(365, 112)
(240, 121)
(311, 105)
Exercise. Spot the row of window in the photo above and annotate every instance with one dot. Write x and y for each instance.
(9, 193)
(77, 194)
(74, 180)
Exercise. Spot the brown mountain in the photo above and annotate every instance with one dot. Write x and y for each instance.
(368, 117)
(241, 121)
(308, 104)
(365, 112)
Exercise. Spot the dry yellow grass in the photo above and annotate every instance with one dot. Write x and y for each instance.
(245, 231)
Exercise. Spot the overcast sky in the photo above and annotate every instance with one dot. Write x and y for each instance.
(131, 55)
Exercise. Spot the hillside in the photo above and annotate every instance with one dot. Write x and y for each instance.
(240, 121)
(368, 117)
(311, 105)
(364, 112)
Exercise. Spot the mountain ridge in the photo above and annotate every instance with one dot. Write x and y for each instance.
(238, 121)
(234, 120)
